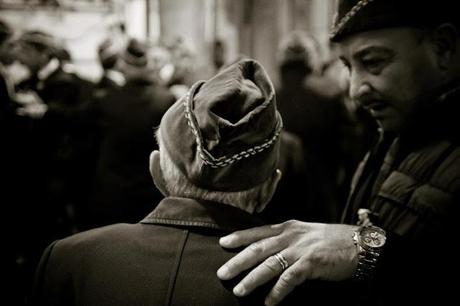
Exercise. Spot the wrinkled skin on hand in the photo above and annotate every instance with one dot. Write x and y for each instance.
(312, 250)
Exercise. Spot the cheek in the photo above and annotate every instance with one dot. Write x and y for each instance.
(403, 85)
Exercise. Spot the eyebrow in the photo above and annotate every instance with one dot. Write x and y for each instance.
(375, 51)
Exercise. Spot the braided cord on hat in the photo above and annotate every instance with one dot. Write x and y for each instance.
(223, 161)
(353, 11)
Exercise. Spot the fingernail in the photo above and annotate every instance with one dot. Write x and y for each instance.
(222, 273)
(225, 240)
(239, 290)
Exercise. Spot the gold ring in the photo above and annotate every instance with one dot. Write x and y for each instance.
(281, 260)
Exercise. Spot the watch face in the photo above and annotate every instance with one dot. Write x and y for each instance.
(373, 237)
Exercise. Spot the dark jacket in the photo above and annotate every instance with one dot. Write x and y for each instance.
(319, 120)
(412, 186)
(169, 258)
(127, 118)
(293, 184)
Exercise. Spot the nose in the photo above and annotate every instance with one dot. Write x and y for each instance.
(359, 87)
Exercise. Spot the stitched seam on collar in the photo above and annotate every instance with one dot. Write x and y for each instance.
(180, 222)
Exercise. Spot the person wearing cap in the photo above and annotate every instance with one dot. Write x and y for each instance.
(395, 246)
(122, 189)
(108, 54)
(216, 166)
(318, 116)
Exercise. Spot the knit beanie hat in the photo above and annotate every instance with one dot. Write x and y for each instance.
(224, 134)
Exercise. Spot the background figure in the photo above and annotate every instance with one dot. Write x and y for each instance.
(16, 260)
(108, 54)
(122, 190)
(318, 118)
(172, 255)
(293, 184)
(181, 73)
(46, 157)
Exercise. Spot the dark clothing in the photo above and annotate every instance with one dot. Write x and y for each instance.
(319, 121)
(293, 198)
(15, 196)
(411, 184)
(169, 258)
(126, 118)
(62, 152)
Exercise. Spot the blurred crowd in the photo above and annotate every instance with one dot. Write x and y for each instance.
(75, 152)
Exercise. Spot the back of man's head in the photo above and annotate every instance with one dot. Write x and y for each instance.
(133, 61)
(108, 54)
(298, 51)
(223, 136)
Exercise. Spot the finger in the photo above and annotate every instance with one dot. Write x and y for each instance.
(289, 279)
(246, 237)
(267, 270)
(249, 257)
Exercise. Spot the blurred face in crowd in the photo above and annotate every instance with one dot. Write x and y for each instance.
(389, 70)
(17, 72)
(32, 57)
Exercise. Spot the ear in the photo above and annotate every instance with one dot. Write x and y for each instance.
(157, 174)
(268, 190)
(445, 39)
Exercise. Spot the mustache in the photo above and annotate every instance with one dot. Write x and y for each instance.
(371, 100)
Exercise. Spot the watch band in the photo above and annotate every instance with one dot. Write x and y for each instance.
(369, 241)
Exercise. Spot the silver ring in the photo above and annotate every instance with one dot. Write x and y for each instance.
(281, 260)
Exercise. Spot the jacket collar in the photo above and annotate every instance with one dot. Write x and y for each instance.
(197, 213)
(436, 120)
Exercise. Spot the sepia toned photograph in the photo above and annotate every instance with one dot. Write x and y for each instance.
(229, 152)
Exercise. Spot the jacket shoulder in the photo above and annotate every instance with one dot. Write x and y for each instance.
(422, 192)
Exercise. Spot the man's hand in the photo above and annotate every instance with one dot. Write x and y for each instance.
(26, 98)
(31, 105)
(34, 110)
(311, 251)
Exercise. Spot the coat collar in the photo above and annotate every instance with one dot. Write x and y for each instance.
(197, 213)
(436, 120)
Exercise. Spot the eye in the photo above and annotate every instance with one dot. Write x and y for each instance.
(374, 65)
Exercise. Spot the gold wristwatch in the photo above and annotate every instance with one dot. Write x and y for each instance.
(370, 241)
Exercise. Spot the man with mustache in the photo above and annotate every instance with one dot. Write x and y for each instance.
(395, 244)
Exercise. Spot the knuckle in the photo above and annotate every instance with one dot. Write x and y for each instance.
(316, 259)
(231, 266)
(272, 264)
(249, 280)
(291, 278)
(257, 247)
(277, 292)
(290, 223)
